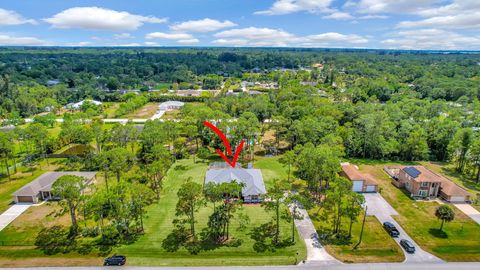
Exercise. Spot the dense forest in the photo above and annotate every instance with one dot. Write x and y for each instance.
(376, 104)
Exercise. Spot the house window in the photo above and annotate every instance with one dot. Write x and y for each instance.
(422, 193)
(424, 184)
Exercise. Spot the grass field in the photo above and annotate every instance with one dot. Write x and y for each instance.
(460, 240)
(377, 245)
(148, 249)
(145, 112)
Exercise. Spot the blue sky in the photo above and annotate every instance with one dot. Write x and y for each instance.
(399, 24)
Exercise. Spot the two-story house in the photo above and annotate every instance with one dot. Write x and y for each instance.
(419, 181)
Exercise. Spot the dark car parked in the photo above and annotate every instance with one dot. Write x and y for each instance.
(115, 260)
(391, 229)
(407, 245)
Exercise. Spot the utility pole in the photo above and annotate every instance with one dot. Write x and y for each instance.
(361, 231)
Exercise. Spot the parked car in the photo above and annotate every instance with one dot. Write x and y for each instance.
(115, 260)
(407, 245)
(391, 229)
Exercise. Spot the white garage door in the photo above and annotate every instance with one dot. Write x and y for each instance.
(357, 186)
(457, 199)
(370, 189)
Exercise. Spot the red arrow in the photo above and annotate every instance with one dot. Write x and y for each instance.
(227, 145)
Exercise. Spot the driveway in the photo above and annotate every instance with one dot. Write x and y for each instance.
(11, 214)
(379, 207)
(316, 253)
(469, 211)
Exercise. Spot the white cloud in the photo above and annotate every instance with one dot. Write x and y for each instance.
(150, 43)
(205, 25)
(6, 40)
(126, 45)
(267, 37)
(425, 39)
(392, 6)
(122, 36)
(258, 36)
(80, 44)
(171, 36)
(372, 17)
(9, 17)
(335, 38)
(230, 42)
(462, 20)
(188, 41)
(339, 16)
(281, 7)
(97, 18)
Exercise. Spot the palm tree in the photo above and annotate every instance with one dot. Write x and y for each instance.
(444, 213)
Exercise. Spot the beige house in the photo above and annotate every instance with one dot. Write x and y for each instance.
(425, 184)
(41, 188)
(360, 182)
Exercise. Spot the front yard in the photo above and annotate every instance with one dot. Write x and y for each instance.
(377, 246)
(458, 242)
(148, 249)
(17, 248)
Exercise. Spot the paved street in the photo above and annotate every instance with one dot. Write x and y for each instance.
(469, 211)
(12, 213)
(363, 266)
(379, 207)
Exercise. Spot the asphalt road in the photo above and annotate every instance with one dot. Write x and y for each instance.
(373, 266)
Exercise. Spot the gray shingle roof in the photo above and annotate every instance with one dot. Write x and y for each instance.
(44, 182)
(252, 178)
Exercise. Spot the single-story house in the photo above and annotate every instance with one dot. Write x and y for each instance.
(252, 180)
(41, 188)
(422, 183)
(360, 182)
(78, 105)
(170, 105)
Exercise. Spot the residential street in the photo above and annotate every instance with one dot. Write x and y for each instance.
(379, 207)
(363, 266)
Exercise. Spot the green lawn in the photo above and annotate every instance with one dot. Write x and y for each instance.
(22, 177)
(148, 251)
(460, 240)
(377, 245)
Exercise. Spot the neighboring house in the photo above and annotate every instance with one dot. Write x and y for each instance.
(189, 93)
(52, 82)
(41, 188)
(78, 105)
(360, 182)
(171, 105)
(251, 179)
(422, 183)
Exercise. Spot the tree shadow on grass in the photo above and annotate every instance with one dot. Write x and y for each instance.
(180, 168)
(263, 236)
(438, 233)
